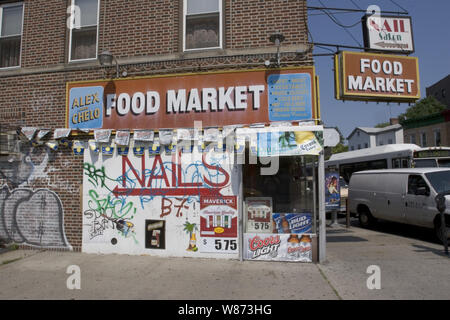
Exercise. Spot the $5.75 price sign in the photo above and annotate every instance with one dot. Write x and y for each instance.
(219, 245)
(259, 226)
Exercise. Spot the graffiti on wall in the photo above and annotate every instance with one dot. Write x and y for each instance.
(32, 217)
(28, 214)
(144, 192)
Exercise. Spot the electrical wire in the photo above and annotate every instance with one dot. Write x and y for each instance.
(334, 13)
(406, 11)
(334, 19)
(356, 5)
(319, 46)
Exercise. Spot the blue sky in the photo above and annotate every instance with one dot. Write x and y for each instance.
(431, 30)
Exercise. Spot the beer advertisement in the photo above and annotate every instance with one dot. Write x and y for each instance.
(218, 224)
(278, 247)
(289, 143)
(259, 214)
(292, 223)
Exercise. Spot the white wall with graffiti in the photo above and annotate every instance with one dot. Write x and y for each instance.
(168, 204)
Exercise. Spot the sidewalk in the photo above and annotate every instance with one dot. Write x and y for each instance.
(43, 276)
(412, 265)
(410, 269)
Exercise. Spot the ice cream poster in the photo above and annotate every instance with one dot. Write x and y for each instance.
(289, 143)
(332, 191)
(218, 224)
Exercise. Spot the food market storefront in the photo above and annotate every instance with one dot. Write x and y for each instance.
(218, 164)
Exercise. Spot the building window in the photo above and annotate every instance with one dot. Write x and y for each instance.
(352, 148)
(11, 22)
(359, 146)
(437, 137)
(443, 93)
(390, 141)
(413, 139)
(84, 31)
(366, 145)
(202, 24)
(423, 139)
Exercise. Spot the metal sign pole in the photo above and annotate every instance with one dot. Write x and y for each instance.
(322, 221)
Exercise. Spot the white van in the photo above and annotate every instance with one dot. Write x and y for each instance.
(400, 195)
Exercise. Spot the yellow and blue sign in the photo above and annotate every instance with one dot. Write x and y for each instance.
(86, 107)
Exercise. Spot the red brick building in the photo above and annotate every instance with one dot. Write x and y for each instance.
(44, 45)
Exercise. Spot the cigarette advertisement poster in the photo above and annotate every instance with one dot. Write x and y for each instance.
(332, 191)
(218, 224)
(259, 214)
(277, 247)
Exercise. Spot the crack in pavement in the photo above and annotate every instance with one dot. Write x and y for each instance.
(329, 283)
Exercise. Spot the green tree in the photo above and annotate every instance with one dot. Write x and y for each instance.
(424, 107)
(340, 147)
(382, 125)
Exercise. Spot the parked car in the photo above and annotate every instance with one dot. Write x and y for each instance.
(400, 195)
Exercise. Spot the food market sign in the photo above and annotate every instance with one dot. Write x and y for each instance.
(380, 77)
(176, 101)
(388, 33)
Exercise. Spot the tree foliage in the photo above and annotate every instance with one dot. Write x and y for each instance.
(424, 107)
(339, 148)
(382, 125)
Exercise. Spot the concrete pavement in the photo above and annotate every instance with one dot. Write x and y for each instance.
(411, 268)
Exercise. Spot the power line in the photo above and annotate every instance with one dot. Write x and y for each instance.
(354, 10)
(356, 5)
(334, 19)
(398, 5)
(337, 12)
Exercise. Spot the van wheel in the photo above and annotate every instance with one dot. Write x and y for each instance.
(365, 218)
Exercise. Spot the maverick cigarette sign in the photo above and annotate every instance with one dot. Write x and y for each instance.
(176, 101)
(381, 77)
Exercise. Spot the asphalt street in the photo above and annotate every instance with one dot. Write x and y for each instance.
(411, 264)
